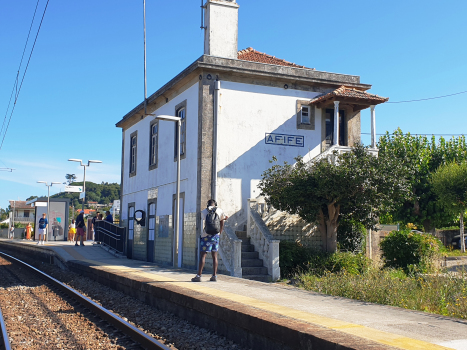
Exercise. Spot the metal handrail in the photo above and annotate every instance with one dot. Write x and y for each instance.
(108, 233)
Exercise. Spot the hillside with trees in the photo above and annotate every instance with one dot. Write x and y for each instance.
(103, 193)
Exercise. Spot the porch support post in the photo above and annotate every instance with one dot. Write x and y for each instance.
(336, 123)
(373, 127)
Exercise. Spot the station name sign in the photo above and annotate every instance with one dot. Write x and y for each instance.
(285, 140)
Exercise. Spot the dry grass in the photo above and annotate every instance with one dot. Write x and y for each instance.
(443, 294)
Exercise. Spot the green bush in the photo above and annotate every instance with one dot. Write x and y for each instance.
(3, 225)
(295, 258)
(351, 236)
(411, 251)
(292, 256)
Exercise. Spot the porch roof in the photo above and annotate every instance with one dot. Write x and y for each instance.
(360, 99)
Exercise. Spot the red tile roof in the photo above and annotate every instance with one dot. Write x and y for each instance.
(20, 205)
(252, 55)
(86, 211)
(353, 94)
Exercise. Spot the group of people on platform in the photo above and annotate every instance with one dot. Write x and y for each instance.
(77, 228)
(28, 230)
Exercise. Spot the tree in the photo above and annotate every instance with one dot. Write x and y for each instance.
(420, 158)
(70, 178)
(450, 184)
(359, 186)
(31, 198)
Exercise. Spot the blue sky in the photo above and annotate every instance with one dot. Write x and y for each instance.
(86, 71)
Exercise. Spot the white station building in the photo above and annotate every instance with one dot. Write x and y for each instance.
(238, 110)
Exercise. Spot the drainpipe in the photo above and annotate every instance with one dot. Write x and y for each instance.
(217, 92)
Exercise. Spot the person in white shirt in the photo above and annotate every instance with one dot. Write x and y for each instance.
(213, 218)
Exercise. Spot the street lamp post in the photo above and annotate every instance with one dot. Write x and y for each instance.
(177, 120)
(84, 178)
(48, 201)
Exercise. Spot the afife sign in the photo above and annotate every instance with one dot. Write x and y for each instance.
(285, 140)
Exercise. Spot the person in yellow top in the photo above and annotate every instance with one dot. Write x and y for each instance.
(71, 231)
(28, 231)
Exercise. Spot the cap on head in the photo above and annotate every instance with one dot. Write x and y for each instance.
(81, 212)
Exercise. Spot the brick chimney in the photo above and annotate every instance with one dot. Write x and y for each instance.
(221, 33)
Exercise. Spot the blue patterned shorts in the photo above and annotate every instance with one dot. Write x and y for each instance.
(209, 243)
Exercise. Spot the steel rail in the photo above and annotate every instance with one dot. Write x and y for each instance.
(130, 330)
(6, 342)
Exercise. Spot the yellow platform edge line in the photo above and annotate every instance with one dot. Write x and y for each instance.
(365, 332)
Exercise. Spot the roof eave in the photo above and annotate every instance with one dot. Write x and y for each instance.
(292, 74)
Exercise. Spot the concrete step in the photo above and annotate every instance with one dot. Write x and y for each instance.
(241, 234)
(252, 263)
(261, 278)
(248, 248)
(245, 240)
(250, 255)
(248, 271)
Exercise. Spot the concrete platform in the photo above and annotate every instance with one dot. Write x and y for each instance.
(256, 314)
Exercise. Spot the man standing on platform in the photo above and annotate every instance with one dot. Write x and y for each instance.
(213, 218)
(94, 219)
(80, 228)
(43, 225)
(109, 217)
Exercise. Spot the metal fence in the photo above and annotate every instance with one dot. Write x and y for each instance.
(110, 235)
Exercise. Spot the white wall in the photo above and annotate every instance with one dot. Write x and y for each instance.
(135, 189)
(247, 113)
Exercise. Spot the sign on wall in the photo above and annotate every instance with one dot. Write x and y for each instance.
(285, 140)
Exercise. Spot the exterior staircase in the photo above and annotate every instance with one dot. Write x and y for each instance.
(252, 265)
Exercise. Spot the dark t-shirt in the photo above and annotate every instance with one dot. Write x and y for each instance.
(109, 218)
(43, 223)
(80, 221)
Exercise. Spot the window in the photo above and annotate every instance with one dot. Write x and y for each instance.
(153, 144)
(180, 111)
(305, 115)
(26, 213)
(133, 154)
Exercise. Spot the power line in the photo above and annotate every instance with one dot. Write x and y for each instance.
(15, 85)
(368, 133)
(24, 74)
(430, 98)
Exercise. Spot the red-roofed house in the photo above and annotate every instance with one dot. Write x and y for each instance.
(238, 109)
(22, 212)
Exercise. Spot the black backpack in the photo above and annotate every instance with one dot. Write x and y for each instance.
(212, 224)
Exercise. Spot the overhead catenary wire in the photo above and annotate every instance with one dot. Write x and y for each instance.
(15, 85)
(429, 98)
(416, 134)
(24, 75)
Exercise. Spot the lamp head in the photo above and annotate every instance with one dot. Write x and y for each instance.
(94, 161)
(74, 160)
(56, 183)
(42, 182)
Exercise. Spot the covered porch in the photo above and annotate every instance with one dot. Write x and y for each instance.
(338, 109)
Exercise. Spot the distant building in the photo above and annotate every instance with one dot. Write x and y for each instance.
(238, 110)
(22, 212)
(86, 211)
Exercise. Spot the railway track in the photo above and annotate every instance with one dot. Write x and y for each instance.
(41, 312)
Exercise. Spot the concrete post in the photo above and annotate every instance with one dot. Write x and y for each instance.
(336, 123)
(373, 127)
